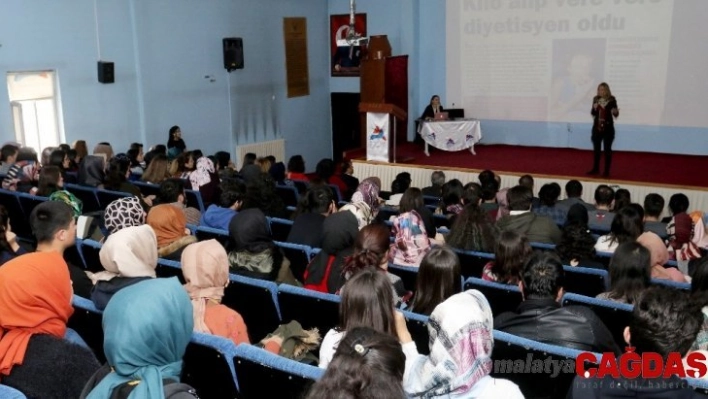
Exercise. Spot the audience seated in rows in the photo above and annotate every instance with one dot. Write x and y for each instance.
(511, 252)
(600, 219)
(460, 359)
(626, 226)
(536, 228)
(630, 273)
(230, 202)
(205, 266)
(540, 316)
(170, 226)
(325, 273)
(438, 278)
(573, 192)
(312, 211)
(577, 245)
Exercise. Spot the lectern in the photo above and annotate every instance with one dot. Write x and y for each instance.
(381, 126)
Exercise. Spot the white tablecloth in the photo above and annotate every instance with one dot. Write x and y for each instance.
(451, 135)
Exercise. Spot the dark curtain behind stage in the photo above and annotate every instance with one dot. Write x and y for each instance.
(397, 90)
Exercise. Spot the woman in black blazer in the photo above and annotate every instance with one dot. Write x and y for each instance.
(604, 110)
(433, 108)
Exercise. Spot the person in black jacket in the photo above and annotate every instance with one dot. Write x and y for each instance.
(433, 108)
(604, 110)
(541, 318)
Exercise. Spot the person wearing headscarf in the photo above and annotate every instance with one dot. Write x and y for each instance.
(324, 273)
(460, 360)
(128, 256)
(122, 213)
(92, 171)
(21, 176)
(103, 150)
(253, 252)
(69, 199)
(35, 305)
(205, 179)
(170, 226)
(659, 257)
(205, 266)
(147, 328)
(365, 201)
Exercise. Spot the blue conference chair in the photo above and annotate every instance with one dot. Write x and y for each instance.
(310, 308)
(616, 316)
(208, 366)
(501, 297)
(256, 301)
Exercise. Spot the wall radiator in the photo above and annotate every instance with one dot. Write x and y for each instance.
(275, 148)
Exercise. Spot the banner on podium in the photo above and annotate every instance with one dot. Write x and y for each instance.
(377, 137)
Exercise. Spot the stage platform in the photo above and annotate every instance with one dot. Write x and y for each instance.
(641, 173)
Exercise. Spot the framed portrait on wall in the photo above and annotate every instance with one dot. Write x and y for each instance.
(346, 59)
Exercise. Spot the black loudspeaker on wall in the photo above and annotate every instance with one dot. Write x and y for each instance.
(233, 53)
(105, 72)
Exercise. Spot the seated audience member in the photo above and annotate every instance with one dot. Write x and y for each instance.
(73, 163)
(261, 194)
(104, 150)
(540, 316)
(172, 192)
(8, 156)
(137, 159)
(296, 168)
(366, 302)
(451, 200)
(117, 180)
(345, 173)
(146, 328)
(473, 229)
(371, 249)
(413, 200)
(264, 164)
(503, 203)
(324, 273)
(46, 156)
(622, 199)
(699, 296)
(50, 180)
(681, 231)
(231, 200)
(537, 228)
(577, 245)
(250, 171)
(511, 252)
(367, 364)
(663, 322)
(626, 226)
(600, 219)
(573, 193)
(9, 247)
(81, 149)
(313, 210)
(399, 186)
(411, 241)
(630, 273)
(170, 226)
(224, 165)
(659, 257)
(365, 202)
(653, 208)
(24, 173)
(205, 266)
(527, 181)
(253, 253)
(128, 256)
(92, 171)
(438, 279)
(460, 359)
(122, 213)
(548, 195)
(182, 166)
(158, 170)
(60, 159)
(205, 180)
(325, 171)
(437, 179)
(35, 305)
(490, 190)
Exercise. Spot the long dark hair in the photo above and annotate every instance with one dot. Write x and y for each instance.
(472, 230)
(4, 222)
(367, 301)
(510, 254)
(117, 171)
(411, 200)
(367, 364)
(48, 180)
(630, 271)
(576, 242)
(370, 248)
(626, 226)
(438, 279)
(622, 198)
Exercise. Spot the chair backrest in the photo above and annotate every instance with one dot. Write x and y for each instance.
(105, 197)
(671, 283)
(261, 374)
(299, 257)
(169, 268)
(310, 308)
(585, 281)
(86, 321)
(385, 212)
(336, 192)
(408, 274)
(417, 325)
(7, 392)
(431, 200)
(604, 258)
(28, 203)
(517, 359)
(87, 195)
(543, 246)
(501, 297)
(616, 316)
(194, 199)
(301, 186)
(256, 301)
(289, 194)
(208, 366)
(280, 228)
(204, 233)
(441, 221)
(72, 255)
(472, 263)
(147, 188)
(90, 250)
(18, 218)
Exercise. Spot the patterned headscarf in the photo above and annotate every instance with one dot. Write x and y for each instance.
(412, 241)
(461, 344)
(205, 266)
(122, 213)
(202, 175)
(130, 252)
(361, 211)
(368, 193)
(69, 199)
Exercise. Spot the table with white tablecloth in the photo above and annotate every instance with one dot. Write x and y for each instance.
(454, 135)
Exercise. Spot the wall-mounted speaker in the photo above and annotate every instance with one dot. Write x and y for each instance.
(233, 53)
(106, 72)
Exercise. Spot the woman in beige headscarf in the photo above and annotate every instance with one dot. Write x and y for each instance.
(659, 257)
(128, 257)
(205, 266)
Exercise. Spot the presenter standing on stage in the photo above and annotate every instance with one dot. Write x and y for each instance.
(433, 108)
(604, 110)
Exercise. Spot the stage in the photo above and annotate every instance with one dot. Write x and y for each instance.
(641, 173)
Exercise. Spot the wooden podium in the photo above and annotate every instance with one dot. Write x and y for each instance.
(394, 114)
